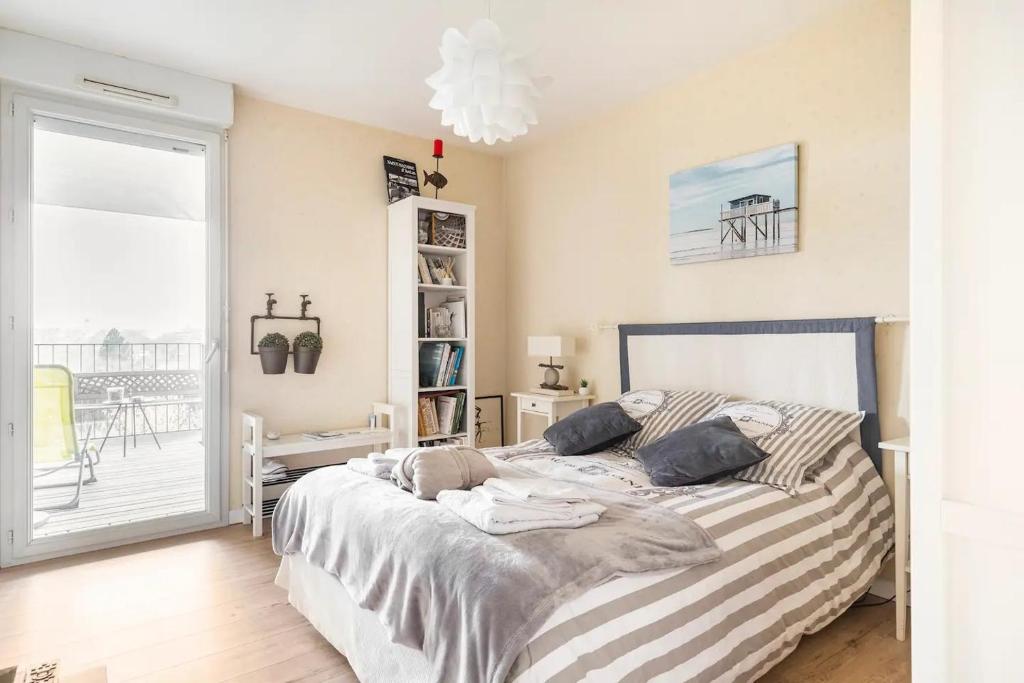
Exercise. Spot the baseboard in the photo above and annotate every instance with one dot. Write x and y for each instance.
(235, 516)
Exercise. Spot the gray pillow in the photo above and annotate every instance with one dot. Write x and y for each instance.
(699, 453)
(591, 430)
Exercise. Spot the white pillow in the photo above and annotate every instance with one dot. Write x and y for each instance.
(661, 412)
(794, 435)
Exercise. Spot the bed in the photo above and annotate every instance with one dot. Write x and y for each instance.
(790, 563)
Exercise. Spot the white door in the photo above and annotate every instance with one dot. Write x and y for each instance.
(111, 294)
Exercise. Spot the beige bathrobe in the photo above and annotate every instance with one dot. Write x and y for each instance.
(428, 471)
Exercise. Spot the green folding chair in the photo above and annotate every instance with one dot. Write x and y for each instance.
(54, 436)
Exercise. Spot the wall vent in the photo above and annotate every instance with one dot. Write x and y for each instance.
(126, 93)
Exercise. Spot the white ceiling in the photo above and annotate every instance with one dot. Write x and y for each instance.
(365, 61)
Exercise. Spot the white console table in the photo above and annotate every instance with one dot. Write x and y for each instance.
(259, 497)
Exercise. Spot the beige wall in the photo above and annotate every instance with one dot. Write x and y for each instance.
(573, 230)
(308, 215)
(588, 213)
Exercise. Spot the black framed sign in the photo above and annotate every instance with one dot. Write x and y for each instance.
(402, 180)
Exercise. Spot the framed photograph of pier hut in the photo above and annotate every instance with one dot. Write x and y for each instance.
(739, 207)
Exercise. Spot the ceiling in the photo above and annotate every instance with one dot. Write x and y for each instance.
(365, 61)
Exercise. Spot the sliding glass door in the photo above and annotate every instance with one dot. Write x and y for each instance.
(112, 283)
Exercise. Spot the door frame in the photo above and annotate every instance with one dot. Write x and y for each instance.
(19, 104)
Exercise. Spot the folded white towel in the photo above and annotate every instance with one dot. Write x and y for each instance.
(370, 468)
(275, 476)
(271, 465)
(477, 507)
(506, 507)
(389, 458)
(394, 454)
(537, 490)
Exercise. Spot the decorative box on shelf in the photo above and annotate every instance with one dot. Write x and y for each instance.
(259, 495)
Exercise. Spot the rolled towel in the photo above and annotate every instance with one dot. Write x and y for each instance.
(369, 468)
(479, 511)
(427, 471)
(536, 489)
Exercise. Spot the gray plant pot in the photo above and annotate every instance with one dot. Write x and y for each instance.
(274, 361)
(306, 360)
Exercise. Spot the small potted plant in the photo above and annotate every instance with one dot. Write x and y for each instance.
(273, 353)
(584, 387)
(307, 347)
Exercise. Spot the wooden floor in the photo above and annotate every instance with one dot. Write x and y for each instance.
(146, 483)
(203, 608)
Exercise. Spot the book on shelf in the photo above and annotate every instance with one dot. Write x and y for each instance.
(439, 364)
(424, 270)
(428, 417)
(441, 414)
(421, 425)
(430, 361)
(446, 413)
(433, 270)
(442, 368)
(453, 368)
(422, 317)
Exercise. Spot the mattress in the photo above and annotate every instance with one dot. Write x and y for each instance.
(790, 565)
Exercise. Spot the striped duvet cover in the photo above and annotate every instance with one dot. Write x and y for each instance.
(791, 564)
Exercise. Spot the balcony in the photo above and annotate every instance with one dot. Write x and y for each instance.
(141, 405)
(149, 483)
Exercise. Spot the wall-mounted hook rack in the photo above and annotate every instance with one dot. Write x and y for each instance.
(304, 304)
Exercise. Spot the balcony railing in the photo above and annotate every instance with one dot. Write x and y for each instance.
(121, 357)
(173, 408)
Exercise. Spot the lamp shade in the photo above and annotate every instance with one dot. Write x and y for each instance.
(551, 346)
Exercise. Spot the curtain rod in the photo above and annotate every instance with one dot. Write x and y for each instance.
(880, 320)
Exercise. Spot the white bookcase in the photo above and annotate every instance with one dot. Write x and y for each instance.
(404, 339)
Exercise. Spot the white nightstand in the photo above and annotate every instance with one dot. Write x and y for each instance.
(900, 449)
(554, 408)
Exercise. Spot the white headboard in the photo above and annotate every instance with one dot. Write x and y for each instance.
(828, 363)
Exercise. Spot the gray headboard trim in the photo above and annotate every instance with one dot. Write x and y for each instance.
(863, 330)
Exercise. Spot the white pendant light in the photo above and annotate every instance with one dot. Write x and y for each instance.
(485, 91)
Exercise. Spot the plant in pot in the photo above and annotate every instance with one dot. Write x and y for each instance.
(307, 347)
(584, 387)
(273, 353)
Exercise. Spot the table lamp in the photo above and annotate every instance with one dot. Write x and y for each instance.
(552, 347)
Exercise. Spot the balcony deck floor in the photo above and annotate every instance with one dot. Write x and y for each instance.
(149, 483)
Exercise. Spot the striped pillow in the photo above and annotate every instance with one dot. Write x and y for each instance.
(794, 435)
(661, 412)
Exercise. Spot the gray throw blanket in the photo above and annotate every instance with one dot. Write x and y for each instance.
(468, 600)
